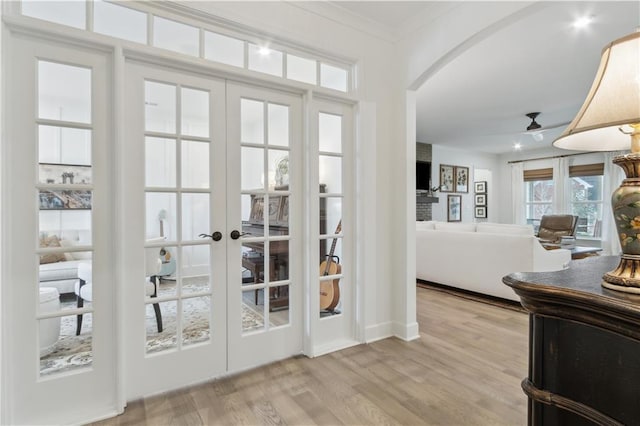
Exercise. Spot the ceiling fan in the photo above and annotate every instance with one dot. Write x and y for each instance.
(535, 129)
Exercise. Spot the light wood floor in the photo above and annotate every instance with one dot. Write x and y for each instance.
(465, 369)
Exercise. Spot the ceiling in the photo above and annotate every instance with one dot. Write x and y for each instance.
(538, 63)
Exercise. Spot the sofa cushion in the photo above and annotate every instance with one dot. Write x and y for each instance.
(502, 228)
(59, 271)
(457, 227)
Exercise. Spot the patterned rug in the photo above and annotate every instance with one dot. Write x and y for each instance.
(72, 352)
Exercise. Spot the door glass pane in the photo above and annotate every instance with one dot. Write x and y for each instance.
(160, 162)
(265, 60)
(159, 107)
(301, 69)
(195, 112)
(64, 145)
(252, 310)
(252, 169)
(245, 202)
(330, 133)
(195, 275)
(279, 305)
(161, 215)
(331, 173)
(195, 215)
(333, 77)
(278, 171)
(121, 22)
(278, 132)
(58, 200)
(226, 50)
(279, 250)
(64, 92)
(251, 121)
(195, 164)
(160, 269)
(71, 13)
(158, 341)
(175, 36)
(61, 350)
(333, 213)
(196, 312)
(71, 227)
(279, 215)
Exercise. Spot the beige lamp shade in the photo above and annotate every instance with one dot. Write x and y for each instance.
(612, 102)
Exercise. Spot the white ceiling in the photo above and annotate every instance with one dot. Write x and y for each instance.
(479, 99)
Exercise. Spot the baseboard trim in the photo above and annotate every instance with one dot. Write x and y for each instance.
(406, 332)
(378, 332)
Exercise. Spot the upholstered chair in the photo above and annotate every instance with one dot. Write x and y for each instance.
(153, 264)
(554, 227)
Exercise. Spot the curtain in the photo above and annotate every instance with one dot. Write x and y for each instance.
(613, 176)
(561, 189)
(517, 193)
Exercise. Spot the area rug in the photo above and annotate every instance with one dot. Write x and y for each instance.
(73, 352)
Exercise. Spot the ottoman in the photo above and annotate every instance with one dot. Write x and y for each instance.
(50, 327)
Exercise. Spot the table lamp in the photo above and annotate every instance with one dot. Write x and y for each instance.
(609, 120)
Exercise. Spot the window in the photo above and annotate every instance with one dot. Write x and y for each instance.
(538, 195)
(586, 198)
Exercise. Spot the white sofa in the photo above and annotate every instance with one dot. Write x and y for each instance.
(62, 272)
(475, 257)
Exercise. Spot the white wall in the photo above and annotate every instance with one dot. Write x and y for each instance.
(473, 160)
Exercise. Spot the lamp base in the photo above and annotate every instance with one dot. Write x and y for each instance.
(626, 277)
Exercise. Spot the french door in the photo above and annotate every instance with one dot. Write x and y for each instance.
(59, 208)
(209, 175)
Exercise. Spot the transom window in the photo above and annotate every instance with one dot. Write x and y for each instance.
(107, 18)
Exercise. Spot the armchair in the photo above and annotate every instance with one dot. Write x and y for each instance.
(153, 265)
(554, 227)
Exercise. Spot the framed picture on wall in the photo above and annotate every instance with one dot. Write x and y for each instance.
(481, 200)
(446, 178)
(480, 187)
(462, 179)
(481, 212)
(454, 208)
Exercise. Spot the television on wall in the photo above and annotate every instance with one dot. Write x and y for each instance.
(423, 175)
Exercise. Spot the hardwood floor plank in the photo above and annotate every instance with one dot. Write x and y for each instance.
(465, 369)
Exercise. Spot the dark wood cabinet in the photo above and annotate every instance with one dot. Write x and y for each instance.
(584, 346)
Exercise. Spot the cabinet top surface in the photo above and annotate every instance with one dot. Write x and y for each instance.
(580, 283)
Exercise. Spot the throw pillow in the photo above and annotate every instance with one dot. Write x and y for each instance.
(52, 241)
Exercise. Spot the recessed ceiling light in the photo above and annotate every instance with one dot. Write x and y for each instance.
(517, 146)
(582, 22)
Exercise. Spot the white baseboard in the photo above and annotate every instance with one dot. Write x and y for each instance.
(332, 347)
(406, 332)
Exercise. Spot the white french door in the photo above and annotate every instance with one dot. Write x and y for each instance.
(173, 186)
(265, 264)
(203, 162)
(59, 211)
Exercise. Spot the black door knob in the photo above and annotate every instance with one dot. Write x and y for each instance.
(235, 234)
(216, 236)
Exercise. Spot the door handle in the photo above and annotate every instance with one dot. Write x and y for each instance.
(235, 234)
(216, 236)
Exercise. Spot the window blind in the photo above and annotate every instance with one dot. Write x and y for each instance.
(538, 174)
(587, 170)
